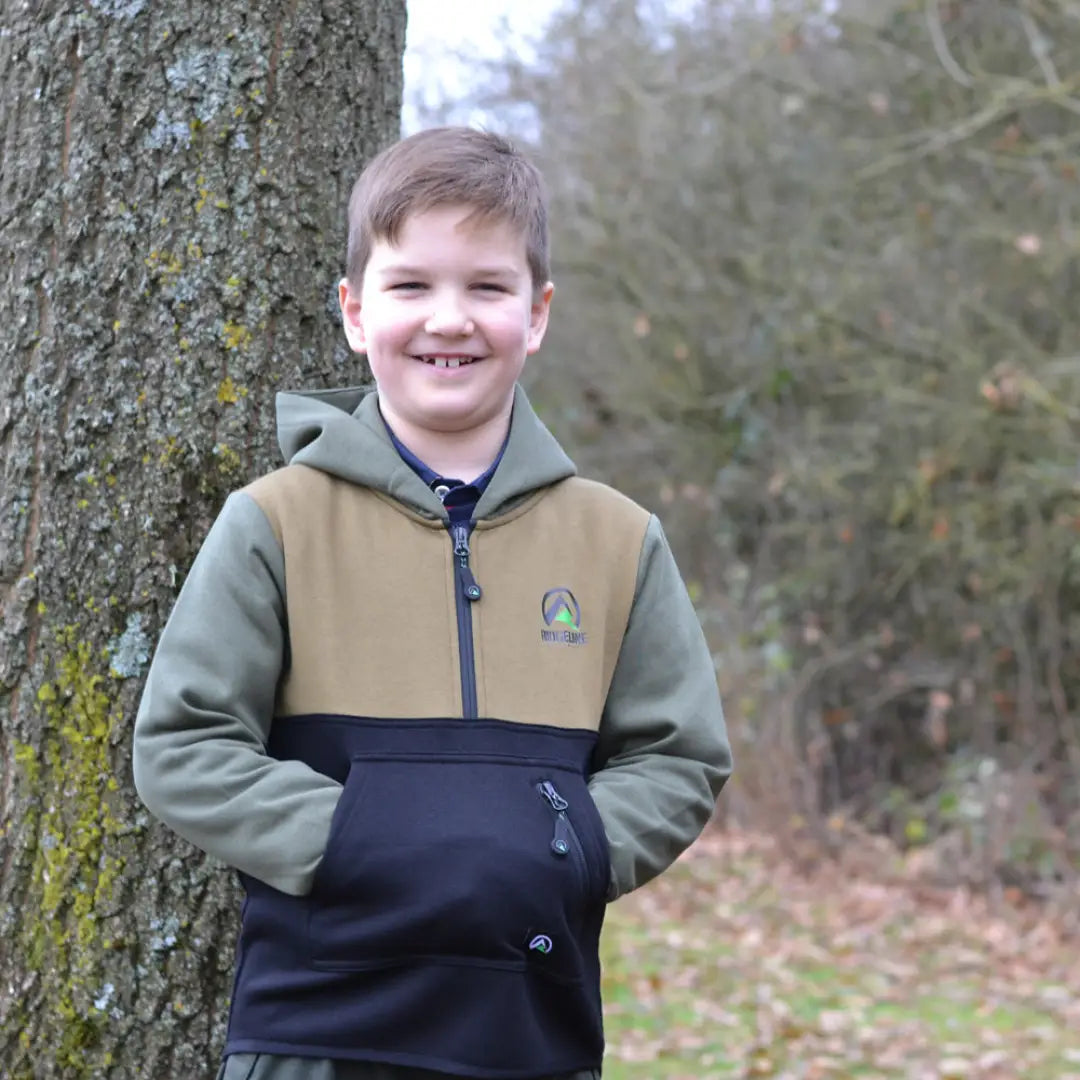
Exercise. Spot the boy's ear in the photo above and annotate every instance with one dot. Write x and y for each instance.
(538, 317)
(349, 302)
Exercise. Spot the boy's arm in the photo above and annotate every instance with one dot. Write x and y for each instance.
(663, 753)
(200, 735)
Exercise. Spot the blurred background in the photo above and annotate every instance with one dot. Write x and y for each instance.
(817, 272)
(817, 269)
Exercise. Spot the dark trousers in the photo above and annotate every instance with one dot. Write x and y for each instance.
(273, 1067)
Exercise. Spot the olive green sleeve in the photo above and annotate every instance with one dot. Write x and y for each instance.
(663, 753)
(200, 758)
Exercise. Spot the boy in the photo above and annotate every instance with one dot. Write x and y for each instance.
(437, 699)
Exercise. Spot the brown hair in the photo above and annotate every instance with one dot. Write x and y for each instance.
(444, 166)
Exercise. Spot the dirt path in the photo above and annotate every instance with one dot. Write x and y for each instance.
(735, 965)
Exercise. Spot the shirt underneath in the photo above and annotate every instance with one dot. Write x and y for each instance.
(459, 498)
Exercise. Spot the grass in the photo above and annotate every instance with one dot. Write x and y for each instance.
(733, 965)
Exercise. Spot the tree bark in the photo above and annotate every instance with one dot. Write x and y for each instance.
(173, 182)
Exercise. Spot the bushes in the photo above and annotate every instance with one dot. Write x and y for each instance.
(818, 304)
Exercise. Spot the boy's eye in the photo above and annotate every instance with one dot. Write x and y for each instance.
(407, 286)
(491, 286)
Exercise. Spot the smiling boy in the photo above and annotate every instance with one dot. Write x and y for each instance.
(437, 699)
(446, 315)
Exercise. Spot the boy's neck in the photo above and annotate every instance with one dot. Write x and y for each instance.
(461, 455)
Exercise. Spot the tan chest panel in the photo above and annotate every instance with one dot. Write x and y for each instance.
(371, 608)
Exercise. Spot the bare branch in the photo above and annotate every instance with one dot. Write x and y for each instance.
(940, 140)
(1040, 49)
(941, 46)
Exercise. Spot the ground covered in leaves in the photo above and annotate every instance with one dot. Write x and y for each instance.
(734, 964)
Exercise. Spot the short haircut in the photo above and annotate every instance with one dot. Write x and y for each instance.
(444, 166)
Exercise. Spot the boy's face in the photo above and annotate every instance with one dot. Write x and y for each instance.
(446, 316)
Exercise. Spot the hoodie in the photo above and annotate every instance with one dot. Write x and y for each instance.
(432, 751)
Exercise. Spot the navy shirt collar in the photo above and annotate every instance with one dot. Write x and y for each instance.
(461, 499)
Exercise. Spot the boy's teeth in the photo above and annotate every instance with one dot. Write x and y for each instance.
(446, 361)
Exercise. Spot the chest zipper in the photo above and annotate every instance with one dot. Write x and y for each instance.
(466, 593)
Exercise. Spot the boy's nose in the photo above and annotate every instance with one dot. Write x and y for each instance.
(449, 318)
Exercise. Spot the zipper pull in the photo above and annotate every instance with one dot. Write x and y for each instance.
(548, 790)
(560, 842)
(460, 535)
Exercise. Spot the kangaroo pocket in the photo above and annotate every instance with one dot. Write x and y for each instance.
(488, 861)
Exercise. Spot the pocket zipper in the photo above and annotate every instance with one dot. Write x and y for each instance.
(560, 842)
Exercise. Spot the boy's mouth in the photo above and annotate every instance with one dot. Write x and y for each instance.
(448, 361)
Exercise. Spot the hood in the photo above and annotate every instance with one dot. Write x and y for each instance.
(342, 433)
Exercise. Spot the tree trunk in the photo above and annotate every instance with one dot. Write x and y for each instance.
(173, 181)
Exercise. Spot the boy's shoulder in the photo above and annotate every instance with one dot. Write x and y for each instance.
(603, 498)
(287, 490)
(286, 480)
(597, 515)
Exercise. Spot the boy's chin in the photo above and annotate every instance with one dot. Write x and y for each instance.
(460, 421)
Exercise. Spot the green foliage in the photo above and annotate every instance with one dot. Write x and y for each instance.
(818, 279)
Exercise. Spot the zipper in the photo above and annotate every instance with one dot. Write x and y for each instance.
(564, 831)
(565, 840)
(466, 593)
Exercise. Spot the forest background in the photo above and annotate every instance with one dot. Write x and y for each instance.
(817, 272)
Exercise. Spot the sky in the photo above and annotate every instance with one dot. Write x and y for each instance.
(442, 36)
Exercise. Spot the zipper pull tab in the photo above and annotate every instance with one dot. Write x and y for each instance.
(548, 790)
(473, 592)
(460, 535)
(560, 842)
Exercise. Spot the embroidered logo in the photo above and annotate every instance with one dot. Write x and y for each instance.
(562, 618)
(541, 944)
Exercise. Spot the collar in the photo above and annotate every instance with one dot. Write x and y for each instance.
(341, 432)
(433, 479)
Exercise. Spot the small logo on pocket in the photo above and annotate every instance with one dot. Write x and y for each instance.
(541, 943)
